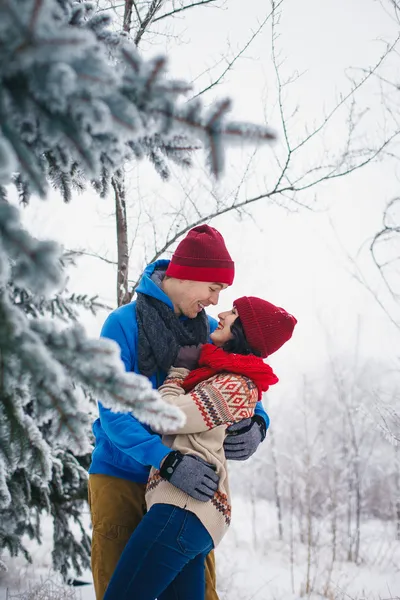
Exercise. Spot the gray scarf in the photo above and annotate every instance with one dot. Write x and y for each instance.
(162, 333)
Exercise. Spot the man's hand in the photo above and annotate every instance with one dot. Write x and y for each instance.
(188, 357)
(191, 474)
(243, 438)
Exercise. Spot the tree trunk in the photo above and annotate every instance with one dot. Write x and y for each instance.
(334, 519)
(118, 184)
(397, 462)
(349, 516)
(254, 518)
(308, 588)
(358, 509)
(278, 502)
(292, 501)
(127, 15)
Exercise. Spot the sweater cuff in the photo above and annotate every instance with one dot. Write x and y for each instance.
(176, 376)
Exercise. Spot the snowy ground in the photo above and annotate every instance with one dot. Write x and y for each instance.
(254, 565)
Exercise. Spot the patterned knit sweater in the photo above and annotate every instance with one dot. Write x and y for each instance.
(210, 408)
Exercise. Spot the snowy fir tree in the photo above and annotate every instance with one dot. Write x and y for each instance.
(47, 372)
(77, 102)
(63, 496)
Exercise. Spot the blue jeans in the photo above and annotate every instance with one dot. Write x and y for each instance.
(164, 558)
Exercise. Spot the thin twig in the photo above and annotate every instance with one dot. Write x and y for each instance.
(182, 8)
(94, 255)
(152, 11)
(236, 57)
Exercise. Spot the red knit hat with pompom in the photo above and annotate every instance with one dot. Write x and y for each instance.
(202, 256)
(266, 326)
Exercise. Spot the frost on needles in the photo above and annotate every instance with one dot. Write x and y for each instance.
(78, 100)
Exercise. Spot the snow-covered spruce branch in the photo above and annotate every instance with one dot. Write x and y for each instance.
(35, 267)
(62, 96)
(44, 366)
(53, 359)
(96, 365)
(62, 305)
(35, 263)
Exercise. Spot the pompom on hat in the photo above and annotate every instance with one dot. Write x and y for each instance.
(266, 326)
(202, 256)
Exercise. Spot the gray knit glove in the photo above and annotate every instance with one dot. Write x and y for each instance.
(191, 474)
(243, 438)
(188, 357)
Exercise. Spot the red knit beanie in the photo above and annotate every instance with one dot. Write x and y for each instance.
(266, 327)
(202, 256)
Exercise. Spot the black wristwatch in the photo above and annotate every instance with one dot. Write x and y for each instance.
(171, 461)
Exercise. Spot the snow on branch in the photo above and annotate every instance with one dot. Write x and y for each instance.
(96, 365)
(53, 359)
(65, 102)
(35, 264)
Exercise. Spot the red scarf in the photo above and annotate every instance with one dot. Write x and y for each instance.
(214, 360)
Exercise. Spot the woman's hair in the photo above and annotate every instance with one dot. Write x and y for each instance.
(239, 344)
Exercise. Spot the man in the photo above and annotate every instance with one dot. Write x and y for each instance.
(163, 327)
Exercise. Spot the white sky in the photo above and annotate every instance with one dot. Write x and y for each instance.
(295, 259)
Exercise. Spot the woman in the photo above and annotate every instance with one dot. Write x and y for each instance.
(165, 555)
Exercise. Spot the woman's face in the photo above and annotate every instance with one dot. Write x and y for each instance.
(223, 332)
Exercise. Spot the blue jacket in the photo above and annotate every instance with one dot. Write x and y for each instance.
(125, 447)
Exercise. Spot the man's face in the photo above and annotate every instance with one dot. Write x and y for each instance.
(193, 296)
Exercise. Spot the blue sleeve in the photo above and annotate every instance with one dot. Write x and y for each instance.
(259, 410)
(213, 323)
(123, 429)
(113, 330)
(133, 438)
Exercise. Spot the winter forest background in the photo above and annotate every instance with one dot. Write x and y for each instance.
(114, 155)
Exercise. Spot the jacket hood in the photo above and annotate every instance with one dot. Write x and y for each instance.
(147, 285)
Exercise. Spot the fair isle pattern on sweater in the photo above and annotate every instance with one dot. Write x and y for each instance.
(221, 503)
(153, 481)
(227, 400)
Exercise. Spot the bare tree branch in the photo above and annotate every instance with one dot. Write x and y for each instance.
(386, 234)
(127, 16)
(114, 263)
(137, 12)
(237, 56)
(369, 73)
(149, 17)
(275, 21)
(174, 12)
(203, 219)
(358, 275)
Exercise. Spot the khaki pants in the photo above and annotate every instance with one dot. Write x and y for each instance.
(117, 506)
